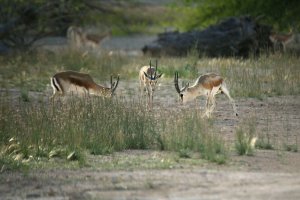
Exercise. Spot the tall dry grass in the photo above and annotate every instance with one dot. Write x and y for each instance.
(31, 130)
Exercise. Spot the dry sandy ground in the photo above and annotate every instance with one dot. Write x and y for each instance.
(194, 183)
(269, 174)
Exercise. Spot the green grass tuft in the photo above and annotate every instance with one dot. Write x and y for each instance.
(246, 138)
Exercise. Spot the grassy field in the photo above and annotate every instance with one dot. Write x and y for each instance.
(35, 131)
(266, 76)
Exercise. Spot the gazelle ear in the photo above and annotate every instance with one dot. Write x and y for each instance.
(186, 85)
(159, 75)
(147, 75)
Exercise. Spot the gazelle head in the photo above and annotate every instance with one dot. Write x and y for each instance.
(100, 90)
(152, 76)
(184, 94)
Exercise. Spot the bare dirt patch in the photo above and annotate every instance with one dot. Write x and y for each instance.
(208, 181)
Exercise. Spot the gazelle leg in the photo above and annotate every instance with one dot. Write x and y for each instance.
(87, 93)
(213, 105)
(53, 95)
(142, 88)
(226, 92)
(151, 103)
(143, 92)
(207, 112)
(210, 101)
(213, 93)
(148, 103)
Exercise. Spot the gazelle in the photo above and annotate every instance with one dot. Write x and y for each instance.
(281, 40)
(94, 40)
(77, 38)
(206, 85)
(71, 81)
(148, 79)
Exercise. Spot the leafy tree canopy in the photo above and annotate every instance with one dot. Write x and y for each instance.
(22, 22)
(281, 14)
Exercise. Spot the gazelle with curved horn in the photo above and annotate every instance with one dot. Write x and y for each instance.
(206, 85)
(148, 79)
(71, 81)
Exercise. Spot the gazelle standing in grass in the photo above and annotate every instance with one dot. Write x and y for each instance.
(76, 82)
(148, 80)
(206, 85)
(281, 41)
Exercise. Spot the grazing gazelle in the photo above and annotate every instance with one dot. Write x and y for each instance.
(71, 81)
(207, 85)
(148, 79)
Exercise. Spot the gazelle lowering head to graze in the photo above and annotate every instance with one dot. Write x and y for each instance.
(207, 85)
(71, 81)
(148, 79)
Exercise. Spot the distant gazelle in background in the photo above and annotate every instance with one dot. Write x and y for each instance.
(77, 38)
(281, 41)
(74, 37)
(80, 83)
(206, 85)
(148, 80)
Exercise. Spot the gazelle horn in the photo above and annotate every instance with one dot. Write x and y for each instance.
(151, 72)
(155, 69)
(176, 82)
(114, 84)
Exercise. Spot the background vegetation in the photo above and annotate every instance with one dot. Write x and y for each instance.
(282, 15)
(24, 22)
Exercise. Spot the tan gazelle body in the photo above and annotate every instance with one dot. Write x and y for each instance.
(206, 85)
(72, 81)
(148, 80)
